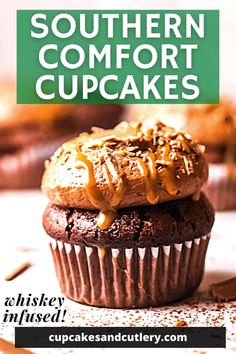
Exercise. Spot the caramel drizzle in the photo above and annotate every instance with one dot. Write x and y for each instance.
(149, 173)
(168, 173)
(101, 252)
(105, 218)
(117, 193)
(107, 213)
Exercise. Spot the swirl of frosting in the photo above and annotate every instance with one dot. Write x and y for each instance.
(136, 163)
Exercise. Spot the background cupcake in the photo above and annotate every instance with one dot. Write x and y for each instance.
(128, 225)
(215, 127)
(29, 134)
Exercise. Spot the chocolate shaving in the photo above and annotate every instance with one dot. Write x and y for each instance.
(181, 323)
(224, 291)
(17, 271)
(8, 347)
(26, 249)
(188, 165)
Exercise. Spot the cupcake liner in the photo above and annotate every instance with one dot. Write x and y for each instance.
(129, 277)
(221, 186)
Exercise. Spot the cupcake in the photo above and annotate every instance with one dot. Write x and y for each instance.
(127, 223)
(214, 126)
(30, 134)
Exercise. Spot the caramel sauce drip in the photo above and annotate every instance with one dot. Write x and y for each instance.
(107, 213)
(149, 173)
(117, 193)
(105, 218)
(101, 252)
(168, 173)
(116, 183)
(94, 194)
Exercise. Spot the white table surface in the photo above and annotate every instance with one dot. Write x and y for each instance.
(20, 227)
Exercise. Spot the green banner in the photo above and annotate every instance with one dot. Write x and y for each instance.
(122, 56)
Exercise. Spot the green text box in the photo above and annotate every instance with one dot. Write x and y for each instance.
(205, 58)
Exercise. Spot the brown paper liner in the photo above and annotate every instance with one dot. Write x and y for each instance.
(221, 186)
(24, 168)
(131, 277)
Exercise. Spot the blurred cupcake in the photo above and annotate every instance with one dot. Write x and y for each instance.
(29, 134)
(214, 126)
(127, 223)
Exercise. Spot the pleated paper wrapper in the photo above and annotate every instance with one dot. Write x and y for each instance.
(129, 277)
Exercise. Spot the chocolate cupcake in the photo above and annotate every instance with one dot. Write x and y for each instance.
(214, 126)
(127, 223)
(30, 134)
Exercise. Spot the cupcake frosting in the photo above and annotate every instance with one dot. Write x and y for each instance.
(130, 165)
(219, 120)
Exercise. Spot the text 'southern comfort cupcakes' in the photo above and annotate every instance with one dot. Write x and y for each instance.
(30, 134)
(213, 125)
(127, 222)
